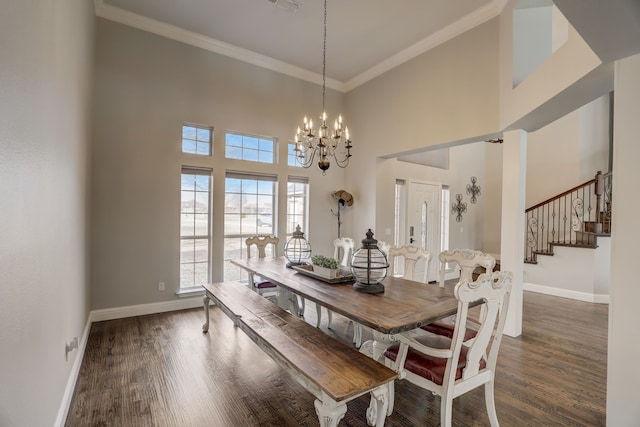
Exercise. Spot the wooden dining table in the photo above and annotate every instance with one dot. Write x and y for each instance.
(403, 306)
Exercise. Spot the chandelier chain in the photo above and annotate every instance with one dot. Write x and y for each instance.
(324, 54)
(321, 142)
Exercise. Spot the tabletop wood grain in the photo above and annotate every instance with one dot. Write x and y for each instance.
(404, 305)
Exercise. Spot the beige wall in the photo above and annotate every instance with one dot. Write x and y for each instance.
(45, 76)
(446, 94)
(569, 63)
(568, 151)
(146, 86)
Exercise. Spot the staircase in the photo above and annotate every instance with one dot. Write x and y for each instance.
(574, 218)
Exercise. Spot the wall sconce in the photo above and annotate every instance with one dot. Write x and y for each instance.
(473, 189)
(458, 208)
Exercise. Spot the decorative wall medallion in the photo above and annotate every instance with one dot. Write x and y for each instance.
(458, 208)
(473, 190)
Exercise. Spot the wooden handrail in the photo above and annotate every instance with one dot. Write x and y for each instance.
(591, 181)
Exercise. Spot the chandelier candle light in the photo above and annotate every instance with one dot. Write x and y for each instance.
(323, 142)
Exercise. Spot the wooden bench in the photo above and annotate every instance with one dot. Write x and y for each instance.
(332, 371)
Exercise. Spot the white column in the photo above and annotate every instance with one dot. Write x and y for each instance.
(514, 167)
(623, 369)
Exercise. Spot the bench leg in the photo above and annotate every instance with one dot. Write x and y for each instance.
(330, 412)
(377, 411)
(205, 327)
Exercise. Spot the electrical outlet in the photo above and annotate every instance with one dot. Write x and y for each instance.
(161, 286)
(70, 346)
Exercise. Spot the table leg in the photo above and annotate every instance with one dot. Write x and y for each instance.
(205, 327)
(375, 348)
(288, 300)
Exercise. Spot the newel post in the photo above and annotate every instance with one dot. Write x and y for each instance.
(599, 190)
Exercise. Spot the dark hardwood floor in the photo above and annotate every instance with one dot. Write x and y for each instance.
(161, 370)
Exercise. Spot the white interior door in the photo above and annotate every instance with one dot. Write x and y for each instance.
(423, 220)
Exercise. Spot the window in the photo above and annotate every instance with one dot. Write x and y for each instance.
(249, 208)
(297, 204)
(444, 222)
(399, 202)
(291, 156)
(195, 220)
(251, 148)
(197, 139)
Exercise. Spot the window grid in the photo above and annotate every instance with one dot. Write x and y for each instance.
(444, 224)
(195, 238)
(197, 139)
(398, 238)
(250, 148)
(291, 156)
(249, 210)
(297, 203)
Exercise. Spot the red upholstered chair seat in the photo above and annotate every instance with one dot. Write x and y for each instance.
(428, 367)
(446, 330)
(264, 285)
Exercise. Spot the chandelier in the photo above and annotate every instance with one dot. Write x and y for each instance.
(322, 142)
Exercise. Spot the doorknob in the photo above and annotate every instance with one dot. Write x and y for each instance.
(411, 240)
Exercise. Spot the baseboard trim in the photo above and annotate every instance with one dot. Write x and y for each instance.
(73, 377)
(143, 309)
(565, 293)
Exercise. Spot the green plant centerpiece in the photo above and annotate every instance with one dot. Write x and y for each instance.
(325, 266)
(324, 261)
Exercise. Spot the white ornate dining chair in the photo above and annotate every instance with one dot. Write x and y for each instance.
(262, 244)
(467, 260)
(342, 252)
(449, 367)
(415, 262)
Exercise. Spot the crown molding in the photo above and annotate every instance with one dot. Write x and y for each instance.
(140, 22)
(459, 27)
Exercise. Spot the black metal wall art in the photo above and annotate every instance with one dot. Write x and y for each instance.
(459, 207)
(473, 190)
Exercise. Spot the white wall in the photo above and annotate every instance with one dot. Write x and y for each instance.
(576, 273)
(464, 162)
(45, 75)
(146, 86)
(569, 63)
(623, 373)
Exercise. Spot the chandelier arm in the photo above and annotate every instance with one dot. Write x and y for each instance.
(307, 163)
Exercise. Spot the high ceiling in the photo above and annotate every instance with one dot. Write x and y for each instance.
(364, 37)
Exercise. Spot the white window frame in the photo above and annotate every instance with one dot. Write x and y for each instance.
(197, 238)
(247, 217)
(299, 201)
(246, 150)
(197, 140)
(291, 156)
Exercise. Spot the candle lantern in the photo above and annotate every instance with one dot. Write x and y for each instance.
(369, 266)
(297, 250)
